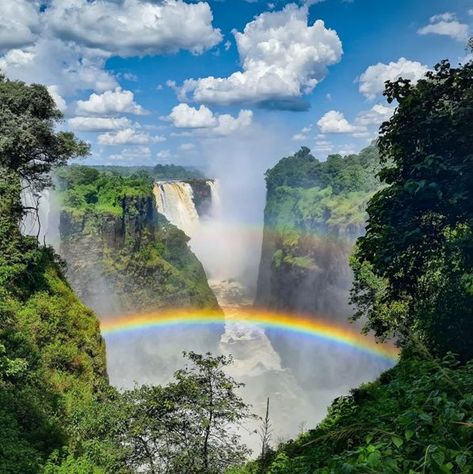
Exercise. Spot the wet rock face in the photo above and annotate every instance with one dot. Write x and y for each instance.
(202, 195)
(309, 275)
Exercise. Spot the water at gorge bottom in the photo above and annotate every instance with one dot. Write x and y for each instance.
(299, 393)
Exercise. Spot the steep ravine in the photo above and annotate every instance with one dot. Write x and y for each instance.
(314, 213)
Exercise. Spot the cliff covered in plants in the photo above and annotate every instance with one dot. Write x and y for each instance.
(52, 356)
(314, 213)
(121, 254)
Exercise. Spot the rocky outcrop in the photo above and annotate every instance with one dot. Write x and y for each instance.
(131, 260)
(306, 273)
(202, 195)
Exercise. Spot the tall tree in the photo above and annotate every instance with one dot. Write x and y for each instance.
(189, 425)
(29, 144)
(414, 267)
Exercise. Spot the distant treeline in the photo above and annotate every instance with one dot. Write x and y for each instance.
(157, 172)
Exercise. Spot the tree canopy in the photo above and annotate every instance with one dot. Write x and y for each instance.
(414, 267)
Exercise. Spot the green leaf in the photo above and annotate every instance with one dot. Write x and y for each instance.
(438, 457)
(461, 460)
(374, 459)
(398, 442)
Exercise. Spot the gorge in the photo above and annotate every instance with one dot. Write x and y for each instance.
(125, 239)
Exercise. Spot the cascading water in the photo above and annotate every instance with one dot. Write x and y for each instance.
(44, 223)
(174, 199)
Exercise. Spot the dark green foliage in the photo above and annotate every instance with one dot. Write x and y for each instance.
(186, 426)
(157, 172)
(417, 417)
(343, 174)
(29, 145)
(52, 357)
(414, 266)
(309, 195)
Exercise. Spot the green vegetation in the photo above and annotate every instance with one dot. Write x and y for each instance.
(414, 266)
(413, 272)
(314, 212)
(187, 425)
(413, 279)
(156, 172)
(417, 417)
(309, 195)
(111, 231)
(52, 358)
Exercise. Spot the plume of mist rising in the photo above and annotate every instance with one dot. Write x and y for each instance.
(229, 242)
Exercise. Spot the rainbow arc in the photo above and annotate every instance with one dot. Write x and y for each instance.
(319, 329)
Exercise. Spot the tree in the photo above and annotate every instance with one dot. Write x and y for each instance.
(29, 145)
(265, 433)
(414, 267)
(189, 425)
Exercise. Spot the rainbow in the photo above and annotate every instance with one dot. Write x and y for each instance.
(291, 323)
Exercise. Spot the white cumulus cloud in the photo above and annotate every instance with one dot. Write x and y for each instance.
(184, 116)
(373, 79)
(98, 124)
(205, 122)
(58, 99)
(134, 27)
(378, 114)
(55, 63)
(282, 57)
(364, 125)
(116, 101)
(128, 136)
(335, 122)
(446, 24)
(65, 43)
(132, 154)
(19, 23)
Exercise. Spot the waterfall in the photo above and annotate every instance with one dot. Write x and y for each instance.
(216, 203)
(45, 223)
(174, 199)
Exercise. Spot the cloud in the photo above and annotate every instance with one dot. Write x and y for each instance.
(205, 122)
(164, 155)
(128, 136)
(55, 63)
(373, 79)
(303, 134)
(184, 116)
(447, 16)
(65, 43)
(228, 125)
(19, 23)
(446, 24)
(131, 154)
(98, 124)
(111, 102)
(186, 147)
(378, 114)
(364, 125)
(60, 102)
(134, 27)
(282, 57)
(335, 122)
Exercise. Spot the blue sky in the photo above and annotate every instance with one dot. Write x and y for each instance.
(149, 82)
